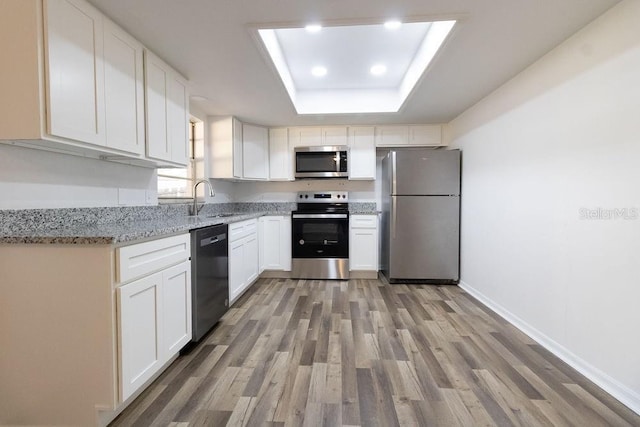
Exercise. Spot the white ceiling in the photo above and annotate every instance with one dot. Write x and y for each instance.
(349, 52)
(211, 42)
(344, 56)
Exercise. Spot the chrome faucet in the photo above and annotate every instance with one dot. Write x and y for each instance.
(194, 209)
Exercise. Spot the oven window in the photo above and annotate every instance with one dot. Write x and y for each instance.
(321, 232)
(316, 162)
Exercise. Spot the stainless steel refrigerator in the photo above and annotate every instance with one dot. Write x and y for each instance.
(421, 216)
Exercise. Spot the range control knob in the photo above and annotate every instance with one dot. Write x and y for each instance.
(301, 241)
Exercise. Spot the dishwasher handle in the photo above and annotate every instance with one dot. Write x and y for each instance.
(214, 239)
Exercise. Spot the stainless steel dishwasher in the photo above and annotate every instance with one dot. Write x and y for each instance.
(209, 277)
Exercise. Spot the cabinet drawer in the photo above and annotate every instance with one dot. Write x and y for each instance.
(363, 221)
(238, 230)
(139, 260)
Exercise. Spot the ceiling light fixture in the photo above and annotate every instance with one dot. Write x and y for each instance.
(319, 71)
(313, 28)
(378, 69)
(392, 25)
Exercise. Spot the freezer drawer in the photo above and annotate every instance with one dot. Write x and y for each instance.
(424, 236)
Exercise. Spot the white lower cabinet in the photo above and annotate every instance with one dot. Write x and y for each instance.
(176, 308)
(250, 258)
(154, 312)
(275, 243)
(243, 257)
(363, 243)
(140, 333)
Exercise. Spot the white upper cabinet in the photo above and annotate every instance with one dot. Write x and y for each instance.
(280, 159)
(362, 153)
(225, 148)
(238, 150)
(309, 136)
(305, 136)
(74, 47)
(124, 90)
(167, 112)
(334, 135)
(255, 152)
(413, 135)
(392, 135)
(76, 85)
(425, 135)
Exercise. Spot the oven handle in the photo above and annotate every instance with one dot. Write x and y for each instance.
(319, 216)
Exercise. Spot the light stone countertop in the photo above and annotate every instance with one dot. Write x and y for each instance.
(124, 232)
(118, 226)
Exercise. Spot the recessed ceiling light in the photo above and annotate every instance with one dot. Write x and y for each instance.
(392, 25)
(319, 71)
(378, 69)
(313, 28)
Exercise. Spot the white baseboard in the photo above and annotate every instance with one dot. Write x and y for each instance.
(615, 388)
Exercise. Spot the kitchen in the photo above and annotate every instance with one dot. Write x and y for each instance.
(557, 135)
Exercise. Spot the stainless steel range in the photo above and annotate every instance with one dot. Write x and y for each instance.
(320, 236)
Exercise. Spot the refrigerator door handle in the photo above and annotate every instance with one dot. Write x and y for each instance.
(394, 213)
(393, 172)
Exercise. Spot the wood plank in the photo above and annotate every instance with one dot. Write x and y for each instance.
(365, 353)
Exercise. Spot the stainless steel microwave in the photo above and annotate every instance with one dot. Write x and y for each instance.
(321, 162)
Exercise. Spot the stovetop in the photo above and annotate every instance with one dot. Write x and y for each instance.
(323, 201)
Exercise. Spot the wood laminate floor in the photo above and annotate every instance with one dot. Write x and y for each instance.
(363, 352)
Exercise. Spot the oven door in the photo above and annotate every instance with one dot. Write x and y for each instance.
(320, 235)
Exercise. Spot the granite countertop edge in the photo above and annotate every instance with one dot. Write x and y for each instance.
(116, 233)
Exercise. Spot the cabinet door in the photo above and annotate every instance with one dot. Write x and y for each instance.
(156, 85)
(334, 135)
(362, 153)
(425, 135)
(285, 243)
(255, 152)
(392, 135)
(363, 242)
(237, 277)
(75, 71)
(124, 90)
(280, 159)
(166, 112)
(236, 148)
(305, 136)
(270, 242)
(178, 119)
(250, 261)
(275, 243)
(176, 308)
(140, 332)
(262, 256)
(225, 147)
